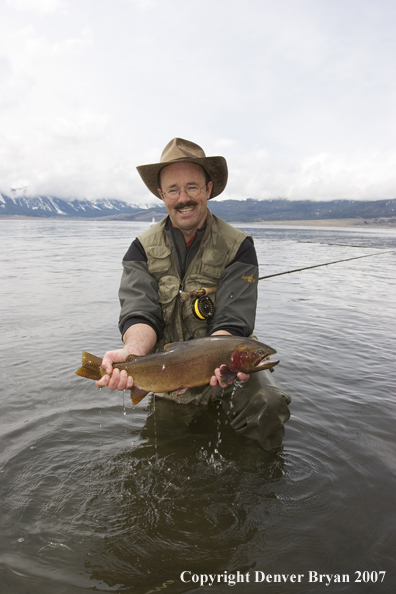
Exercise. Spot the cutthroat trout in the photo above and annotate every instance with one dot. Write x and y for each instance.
(183, 365)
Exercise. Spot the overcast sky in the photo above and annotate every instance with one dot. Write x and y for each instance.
(298, 95)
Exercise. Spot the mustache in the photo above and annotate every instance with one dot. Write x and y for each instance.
(185, 204)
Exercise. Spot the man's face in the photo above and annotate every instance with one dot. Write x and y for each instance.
(188, 214)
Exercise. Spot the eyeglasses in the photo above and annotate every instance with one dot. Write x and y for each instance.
(192, 191)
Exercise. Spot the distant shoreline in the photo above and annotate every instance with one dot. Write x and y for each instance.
(372, 223)
(381, 223)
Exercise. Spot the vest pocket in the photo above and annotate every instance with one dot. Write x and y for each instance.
(168, 290)
(211, 265)
(158, 259)
(200, 281)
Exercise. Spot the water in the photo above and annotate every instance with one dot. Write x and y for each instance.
(95, 499)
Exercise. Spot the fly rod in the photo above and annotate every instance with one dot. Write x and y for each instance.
(326, 264)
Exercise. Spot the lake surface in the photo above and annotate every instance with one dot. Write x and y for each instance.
(98, 495)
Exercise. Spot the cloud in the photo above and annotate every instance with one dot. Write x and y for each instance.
(38, 6)
(363, 176)
(298, 96)
(366, 175)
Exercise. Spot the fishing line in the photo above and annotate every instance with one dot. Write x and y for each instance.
(326, 264)
(341, 244)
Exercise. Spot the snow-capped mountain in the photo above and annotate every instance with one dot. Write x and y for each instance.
(244, 211)
(49, 206)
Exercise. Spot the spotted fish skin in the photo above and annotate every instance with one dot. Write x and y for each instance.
(183, 365)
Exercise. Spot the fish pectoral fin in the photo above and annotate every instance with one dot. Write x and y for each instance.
(179, 391)
(137, 394)
(227, 375)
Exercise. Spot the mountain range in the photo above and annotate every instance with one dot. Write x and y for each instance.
(243, 211)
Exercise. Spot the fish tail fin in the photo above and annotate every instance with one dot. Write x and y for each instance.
(91, 366)
(89, 372)
(88, 359)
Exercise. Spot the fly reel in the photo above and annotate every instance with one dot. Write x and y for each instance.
(203, 307)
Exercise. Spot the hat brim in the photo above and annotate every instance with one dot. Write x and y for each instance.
(215, 166)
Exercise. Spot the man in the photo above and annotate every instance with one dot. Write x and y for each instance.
(190, 251)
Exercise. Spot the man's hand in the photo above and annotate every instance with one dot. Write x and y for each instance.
(115, 379)
(216, 378)
(139, 339)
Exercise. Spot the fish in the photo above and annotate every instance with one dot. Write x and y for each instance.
(183, 365)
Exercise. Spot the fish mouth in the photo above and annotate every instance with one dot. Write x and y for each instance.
(265, 362)
(263, 355)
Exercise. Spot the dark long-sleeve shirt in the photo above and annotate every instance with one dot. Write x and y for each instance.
(236, 299)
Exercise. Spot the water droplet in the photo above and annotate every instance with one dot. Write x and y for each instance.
(32, 447)
(21, 539)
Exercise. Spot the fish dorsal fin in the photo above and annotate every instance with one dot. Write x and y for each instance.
(88, 359)
(173, 345)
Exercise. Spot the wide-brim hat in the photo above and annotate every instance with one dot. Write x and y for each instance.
(179, 150)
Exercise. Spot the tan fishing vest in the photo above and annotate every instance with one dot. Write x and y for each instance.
(217, 249)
